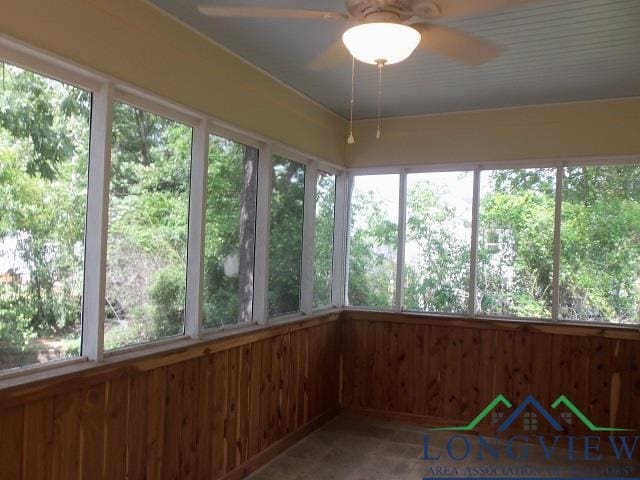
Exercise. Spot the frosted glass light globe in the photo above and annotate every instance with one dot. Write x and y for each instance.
(381, 42)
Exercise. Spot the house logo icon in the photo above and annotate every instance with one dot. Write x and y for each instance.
(531, 410)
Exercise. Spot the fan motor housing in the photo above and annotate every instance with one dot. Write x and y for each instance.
(391, 10)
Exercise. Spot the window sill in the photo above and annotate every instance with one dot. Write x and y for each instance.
(628, 332)
(147, 356)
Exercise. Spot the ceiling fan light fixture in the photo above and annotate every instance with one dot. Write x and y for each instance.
(382, 42)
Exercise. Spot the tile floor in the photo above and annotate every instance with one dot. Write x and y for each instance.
(359, 448)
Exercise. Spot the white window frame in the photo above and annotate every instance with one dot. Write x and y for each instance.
(105, 90)
(477, 169)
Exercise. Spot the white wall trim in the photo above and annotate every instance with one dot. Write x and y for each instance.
(197, 226)
(97, 224)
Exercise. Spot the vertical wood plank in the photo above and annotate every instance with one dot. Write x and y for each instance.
(218, 444)
(173, 422)
(294, 378)
(283, 400)
(634, 386)
(379, 369)
(117, 393)
(37, 455)
(599, 392)
(156, 412)
(205, 417)
(12, 428)
(92, 431)
(504, 364)
(541, 364)
(403, 354)
(579, 387)
(256, 398)
(435, 394)
(189, 429)
(244, 403)
(422, 366)
(470, 390)
(231, 418)
(66, 436)
(486, 377)
(137, 426)
(452, 370)
(522, 366)
(265, 393)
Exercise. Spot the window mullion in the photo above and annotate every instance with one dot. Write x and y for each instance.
(402, 233)
(197, 211)
(555, 285)
(340, 235)
(263, 216)
(347, 233)
(308, 238)
(95, 264)
(473, 254)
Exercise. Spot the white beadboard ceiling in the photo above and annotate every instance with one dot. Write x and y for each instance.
(553, 51)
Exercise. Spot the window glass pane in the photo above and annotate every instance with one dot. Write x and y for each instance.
(373, 240)
(438, 241)
(323, 250)
(148, 211)
(285, 237)
(44, 143)
(600, 242)
(229, 232)
(515, 242)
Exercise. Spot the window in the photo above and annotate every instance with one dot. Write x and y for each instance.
(515, 242)
(600, 244)
(373, 241)
(230, 232)
(530, 422)
(285, 238)
(438, 239)
(44, 142)
(148, 212)
(323, 249)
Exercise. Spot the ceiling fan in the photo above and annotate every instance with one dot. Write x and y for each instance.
(382, 32)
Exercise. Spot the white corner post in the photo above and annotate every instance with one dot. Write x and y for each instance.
(402, 234)
(308, 238)
(473, 254)
(340, 232)
(557, 246)
(345, 283)
(263, 221)
(197, 211)
(97, 223)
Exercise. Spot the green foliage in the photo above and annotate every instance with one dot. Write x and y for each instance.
(44, 128)
(167, 292)
(285, 241)
(438, 280)
(323, 248)
(372, 253)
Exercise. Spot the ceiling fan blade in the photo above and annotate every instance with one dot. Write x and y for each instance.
(461, 8)
(332, 57)
(455, 44)
(255, 11)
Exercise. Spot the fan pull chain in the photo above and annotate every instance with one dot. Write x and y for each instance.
(351, 140)
(380, 67)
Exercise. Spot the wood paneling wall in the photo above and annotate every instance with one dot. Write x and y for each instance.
(446, 370)
(218, 409)
(207, 412)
